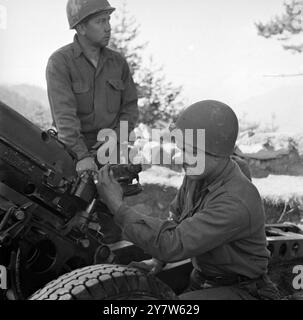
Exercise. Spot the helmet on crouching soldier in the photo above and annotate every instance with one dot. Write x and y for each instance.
(219, 122)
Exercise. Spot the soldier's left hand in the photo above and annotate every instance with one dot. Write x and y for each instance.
(110, 191)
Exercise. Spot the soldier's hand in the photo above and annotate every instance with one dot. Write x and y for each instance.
(109, 189)
(86, 164)
(152, 266)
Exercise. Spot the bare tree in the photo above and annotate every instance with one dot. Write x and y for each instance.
(159, 100)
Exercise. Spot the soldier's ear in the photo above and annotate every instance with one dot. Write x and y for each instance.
(81, 29)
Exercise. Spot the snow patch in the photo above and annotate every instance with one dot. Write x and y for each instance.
(274, 188)
(249, 149)
(281, 188)
(162, 176)
(251, 144)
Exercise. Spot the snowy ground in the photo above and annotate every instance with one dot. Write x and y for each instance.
(276, 141)
(281, 188)
(162, 176)
(273, 188)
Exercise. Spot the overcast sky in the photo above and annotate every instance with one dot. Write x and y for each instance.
(211, 47)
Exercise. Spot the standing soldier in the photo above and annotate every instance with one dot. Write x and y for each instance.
(89, 85)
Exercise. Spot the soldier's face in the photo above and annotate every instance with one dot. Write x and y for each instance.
(98, 29)
(211, 163)
(193, 157)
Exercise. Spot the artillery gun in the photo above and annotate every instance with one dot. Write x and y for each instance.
(55, 233)
(51, 221)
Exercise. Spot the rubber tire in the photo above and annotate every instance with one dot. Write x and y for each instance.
(106, 282)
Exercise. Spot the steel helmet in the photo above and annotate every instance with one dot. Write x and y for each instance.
(219, 121)
(78, 10)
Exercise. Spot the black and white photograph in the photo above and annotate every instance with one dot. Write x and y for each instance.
(151, 150)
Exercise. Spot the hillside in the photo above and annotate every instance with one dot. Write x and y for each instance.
(286, 103)
(31, 92)
(28, 100)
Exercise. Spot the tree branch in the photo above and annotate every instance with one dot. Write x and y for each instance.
(289, 24)
(283, 75)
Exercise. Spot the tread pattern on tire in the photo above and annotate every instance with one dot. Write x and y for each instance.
(105, 282)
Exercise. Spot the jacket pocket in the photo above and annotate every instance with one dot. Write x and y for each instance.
(84, 97)
(114, 89)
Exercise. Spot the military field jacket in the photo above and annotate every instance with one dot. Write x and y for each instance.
(85, 99)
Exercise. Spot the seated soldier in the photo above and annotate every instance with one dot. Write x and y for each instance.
(217, 216)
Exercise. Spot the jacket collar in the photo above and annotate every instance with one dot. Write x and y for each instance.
(217, 179)
(222, 177)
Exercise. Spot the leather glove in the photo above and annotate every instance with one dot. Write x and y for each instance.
(86, 164)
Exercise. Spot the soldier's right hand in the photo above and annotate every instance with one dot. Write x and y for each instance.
(152, 266)
(86, 164)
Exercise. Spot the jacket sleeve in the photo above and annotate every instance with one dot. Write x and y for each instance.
(223, 221)
(64, 105)
(129, 109)
(176, 205)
